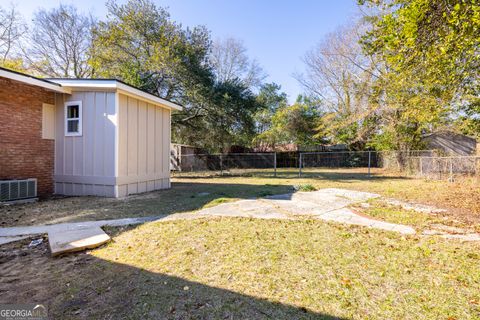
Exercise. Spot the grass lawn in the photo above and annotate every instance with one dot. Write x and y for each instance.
(461, 198)
(237, 268)
(229, 268)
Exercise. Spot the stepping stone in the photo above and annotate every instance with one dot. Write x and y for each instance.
(63, 241)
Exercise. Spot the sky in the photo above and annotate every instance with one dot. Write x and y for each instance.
(277, 33)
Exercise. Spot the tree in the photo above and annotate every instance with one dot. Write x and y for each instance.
(225, 118)
(59, 43)
(293, 124)
(270, 99)
(230, 61)
(142, 46)
(431, 52)
(343, 78)
(12, 29)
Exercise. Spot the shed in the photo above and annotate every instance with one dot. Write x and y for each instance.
(450, 143)
(108, 138)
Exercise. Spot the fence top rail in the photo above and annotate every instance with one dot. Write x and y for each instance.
(331, 152)
(229, 154)
(446, 157)
(366, 151)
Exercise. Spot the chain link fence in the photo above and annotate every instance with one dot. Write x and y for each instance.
(420, 163)
(445, 168)
(339, 159)
(221, 164)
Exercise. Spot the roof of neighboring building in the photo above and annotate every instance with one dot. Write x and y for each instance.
(64, 85)
(446, 133)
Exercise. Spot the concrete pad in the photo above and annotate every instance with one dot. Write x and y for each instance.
(350, 194)
(414, 206)
(246, 209)
(347, 216)
(41, 229)
(318, 202)
(450, 229)
(76, 240)
(329, 204)
(463, 237)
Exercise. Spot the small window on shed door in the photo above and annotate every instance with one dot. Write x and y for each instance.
(48, 121)
(73, 118)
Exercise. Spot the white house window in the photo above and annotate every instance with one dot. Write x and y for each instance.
(73, 118)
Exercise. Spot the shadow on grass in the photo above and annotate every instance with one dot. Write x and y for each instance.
(334, 175)
(182, 197)
(82, 286)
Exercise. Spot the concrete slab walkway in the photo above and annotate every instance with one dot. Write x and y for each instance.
(326, 204)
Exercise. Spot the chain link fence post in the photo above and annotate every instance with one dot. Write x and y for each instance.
(221, 165)
(300, 165)
(421, 167)
(451, 171)
(475, 179)
(274, 164)
(369, 163)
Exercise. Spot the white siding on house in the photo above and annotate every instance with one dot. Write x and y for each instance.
(85, 165)
(143, 146)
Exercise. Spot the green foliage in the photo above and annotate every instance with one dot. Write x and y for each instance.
(141, 45)
(270, 99)
(305, 188)
(431, 62)
(13, 64)
(222, 116)
(292, 124)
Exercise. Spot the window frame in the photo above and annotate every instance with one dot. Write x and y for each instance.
(67, 119)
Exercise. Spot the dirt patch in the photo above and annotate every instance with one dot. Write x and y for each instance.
(31, 275)
(83, 286)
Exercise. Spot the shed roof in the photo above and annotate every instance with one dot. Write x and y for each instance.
(116, 85)
(63, 85)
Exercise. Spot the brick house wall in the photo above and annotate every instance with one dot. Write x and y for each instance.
(23, 152)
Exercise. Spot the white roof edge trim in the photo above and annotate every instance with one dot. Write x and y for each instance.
(136, 93)
(85, 83)
(34, 82)
(114, 84)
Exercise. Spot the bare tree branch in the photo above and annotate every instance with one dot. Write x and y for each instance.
(12, 29)
(230, 62)
(60, 42)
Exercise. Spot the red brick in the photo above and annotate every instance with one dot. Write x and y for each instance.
(23, 152)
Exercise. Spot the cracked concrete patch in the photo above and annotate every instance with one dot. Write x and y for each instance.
(326, 204)
(332, 205)
(450, 229)
(448, 232)
(414, 206)
(462, 237)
